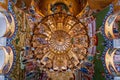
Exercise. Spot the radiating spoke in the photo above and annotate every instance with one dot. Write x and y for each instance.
(60, 41)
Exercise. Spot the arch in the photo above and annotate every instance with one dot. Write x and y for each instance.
(6, 59)
(7, 24)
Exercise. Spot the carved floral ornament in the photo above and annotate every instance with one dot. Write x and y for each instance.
(60, 42)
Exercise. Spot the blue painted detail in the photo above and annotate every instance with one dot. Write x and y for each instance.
(109, 43)
(10, 39)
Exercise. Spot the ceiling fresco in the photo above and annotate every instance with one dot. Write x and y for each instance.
(59, 39)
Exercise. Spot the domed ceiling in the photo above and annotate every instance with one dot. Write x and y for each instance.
(74, 6)
(57, 37)
(60, 42)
